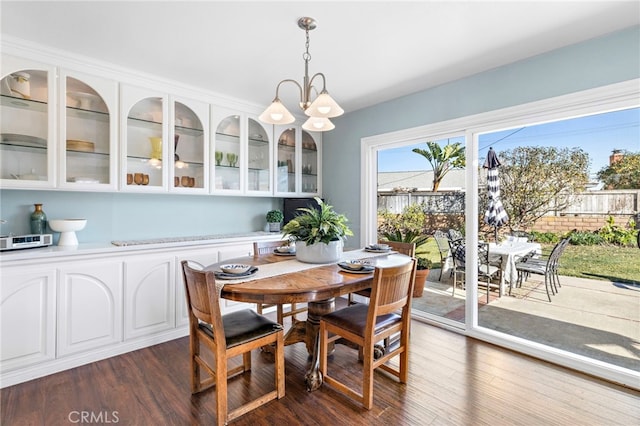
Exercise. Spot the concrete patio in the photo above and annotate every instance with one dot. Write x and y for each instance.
(597, 319)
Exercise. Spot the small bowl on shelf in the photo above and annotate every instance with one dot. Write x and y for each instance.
(67, 229)
(235, 268)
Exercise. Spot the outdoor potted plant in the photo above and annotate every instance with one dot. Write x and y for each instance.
(274, 219)
(319, 233)
(423, 266)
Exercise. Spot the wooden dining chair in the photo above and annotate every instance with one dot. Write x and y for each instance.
(234, 334)
(404, 248)
(265, 247)
(388, 313)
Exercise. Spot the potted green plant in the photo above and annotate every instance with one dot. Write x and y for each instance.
(274, 219)
(319, 233)
(423, 266)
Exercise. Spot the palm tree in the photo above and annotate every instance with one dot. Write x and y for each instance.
(442, 159)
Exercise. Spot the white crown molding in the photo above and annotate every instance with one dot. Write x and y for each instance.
(61, 58)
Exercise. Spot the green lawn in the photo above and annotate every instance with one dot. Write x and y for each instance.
(612, 263)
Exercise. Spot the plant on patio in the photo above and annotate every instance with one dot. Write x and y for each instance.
(406, 227)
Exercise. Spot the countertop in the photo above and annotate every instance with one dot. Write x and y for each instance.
(122, 246)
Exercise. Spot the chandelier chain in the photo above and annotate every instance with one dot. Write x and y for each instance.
(306, 55)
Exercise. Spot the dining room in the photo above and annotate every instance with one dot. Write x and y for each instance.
(88, 91)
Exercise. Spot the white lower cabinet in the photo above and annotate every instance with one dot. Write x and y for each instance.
(27, 317)
(89, 306)
(201, 258)
(149, 298)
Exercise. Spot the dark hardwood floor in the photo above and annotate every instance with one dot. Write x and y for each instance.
(454, 381)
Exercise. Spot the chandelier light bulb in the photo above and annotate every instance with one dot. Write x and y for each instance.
(318, 124)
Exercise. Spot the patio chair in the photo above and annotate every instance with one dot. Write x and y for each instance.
(454, 235)
(442, 240)
(548, 268)
(488, 268)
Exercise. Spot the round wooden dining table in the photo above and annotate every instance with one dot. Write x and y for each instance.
(317, 285)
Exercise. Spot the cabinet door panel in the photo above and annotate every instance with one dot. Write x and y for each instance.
(89, 307)
(149, 296)
(27, 317)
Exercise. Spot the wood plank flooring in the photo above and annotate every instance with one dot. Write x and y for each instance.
(454, 381)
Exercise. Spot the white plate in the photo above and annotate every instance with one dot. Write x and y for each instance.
(367, 269)
(222, 276)
(370, 250)
(278, 253)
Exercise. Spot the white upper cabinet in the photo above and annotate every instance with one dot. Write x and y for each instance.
(144, 136)
(88, 132)
(189, 152)
(298, 164)
(242, 154)
(27, 127)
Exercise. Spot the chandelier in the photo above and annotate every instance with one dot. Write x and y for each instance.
(319, 109)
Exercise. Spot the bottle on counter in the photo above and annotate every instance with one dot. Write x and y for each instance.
(38, 220)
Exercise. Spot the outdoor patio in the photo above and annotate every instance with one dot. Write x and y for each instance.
(597, 319)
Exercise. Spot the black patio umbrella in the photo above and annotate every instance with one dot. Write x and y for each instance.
(495, 215)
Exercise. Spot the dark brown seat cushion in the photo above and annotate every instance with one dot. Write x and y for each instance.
(354, 319)
(243, 326)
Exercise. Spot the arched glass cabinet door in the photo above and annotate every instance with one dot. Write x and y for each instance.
(88, 130)
(189, 149)
(146, 154)
(259, 172)
(310, 165)
(227, 154)
(286, 162)
(27, 153)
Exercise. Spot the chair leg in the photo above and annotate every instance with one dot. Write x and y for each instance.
(221, 390)
(280, 314)
(367, 380)
(546, 285)
(279, 371)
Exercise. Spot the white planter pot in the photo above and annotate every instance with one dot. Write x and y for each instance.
(319, 252)
(274, 226)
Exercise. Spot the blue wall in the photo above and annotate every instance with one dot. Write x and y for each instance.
(606, 60)
(117, 216)
(113, 216)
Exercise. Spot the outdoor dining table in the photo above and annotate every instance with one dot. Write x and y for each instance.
(511, 251)
(281, 279)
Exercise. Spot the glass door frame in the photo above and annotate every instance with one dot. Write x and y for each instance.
(613, 97)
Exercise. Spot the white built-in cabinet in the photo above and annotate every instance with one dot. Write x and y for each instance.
(67, 129)
(242, 157)
(73, 308)
(149, 295)
(298, 162)
(89, 306)
(27, 316)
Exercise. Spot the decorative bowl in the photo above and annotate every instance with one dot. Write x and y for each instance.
(286, 249)
(235, 268)
(354, 265)
(67, 229)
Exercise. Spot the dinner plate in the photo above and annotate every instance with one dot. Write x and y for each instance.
(224, 276)
(365, 270)
(370, 250)
(23, 140)
(279, 253)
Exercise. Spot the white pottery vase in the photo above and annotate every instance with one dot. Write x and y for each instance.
(319, 252)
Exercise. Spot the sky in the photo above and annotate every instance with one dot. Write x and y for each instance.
(598, 135)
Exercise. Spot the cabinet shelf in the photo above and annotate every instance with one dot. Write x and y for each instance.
(99, 116)
(20, 103)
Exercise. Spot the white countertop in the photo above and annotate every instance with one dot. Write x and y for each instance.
(121, 246)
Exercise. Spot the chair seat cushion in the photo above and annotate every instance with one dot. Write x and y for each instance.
(354, 319)
(531, 267)
(244, 326)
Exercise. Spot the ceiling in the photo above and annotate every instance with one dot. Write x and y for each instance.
(370, 52)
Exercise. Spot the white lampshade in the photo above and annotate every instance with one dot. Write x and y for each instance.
(318, 124)
(276, 113)
(324, 106)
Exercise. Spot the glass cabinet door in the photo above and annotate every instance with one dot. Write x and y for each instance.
(190, 147)
(309, 165)
(144, 141)
(88, 132)
(286, 162)
(259, 158)
(227, 156)
(27, 149)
